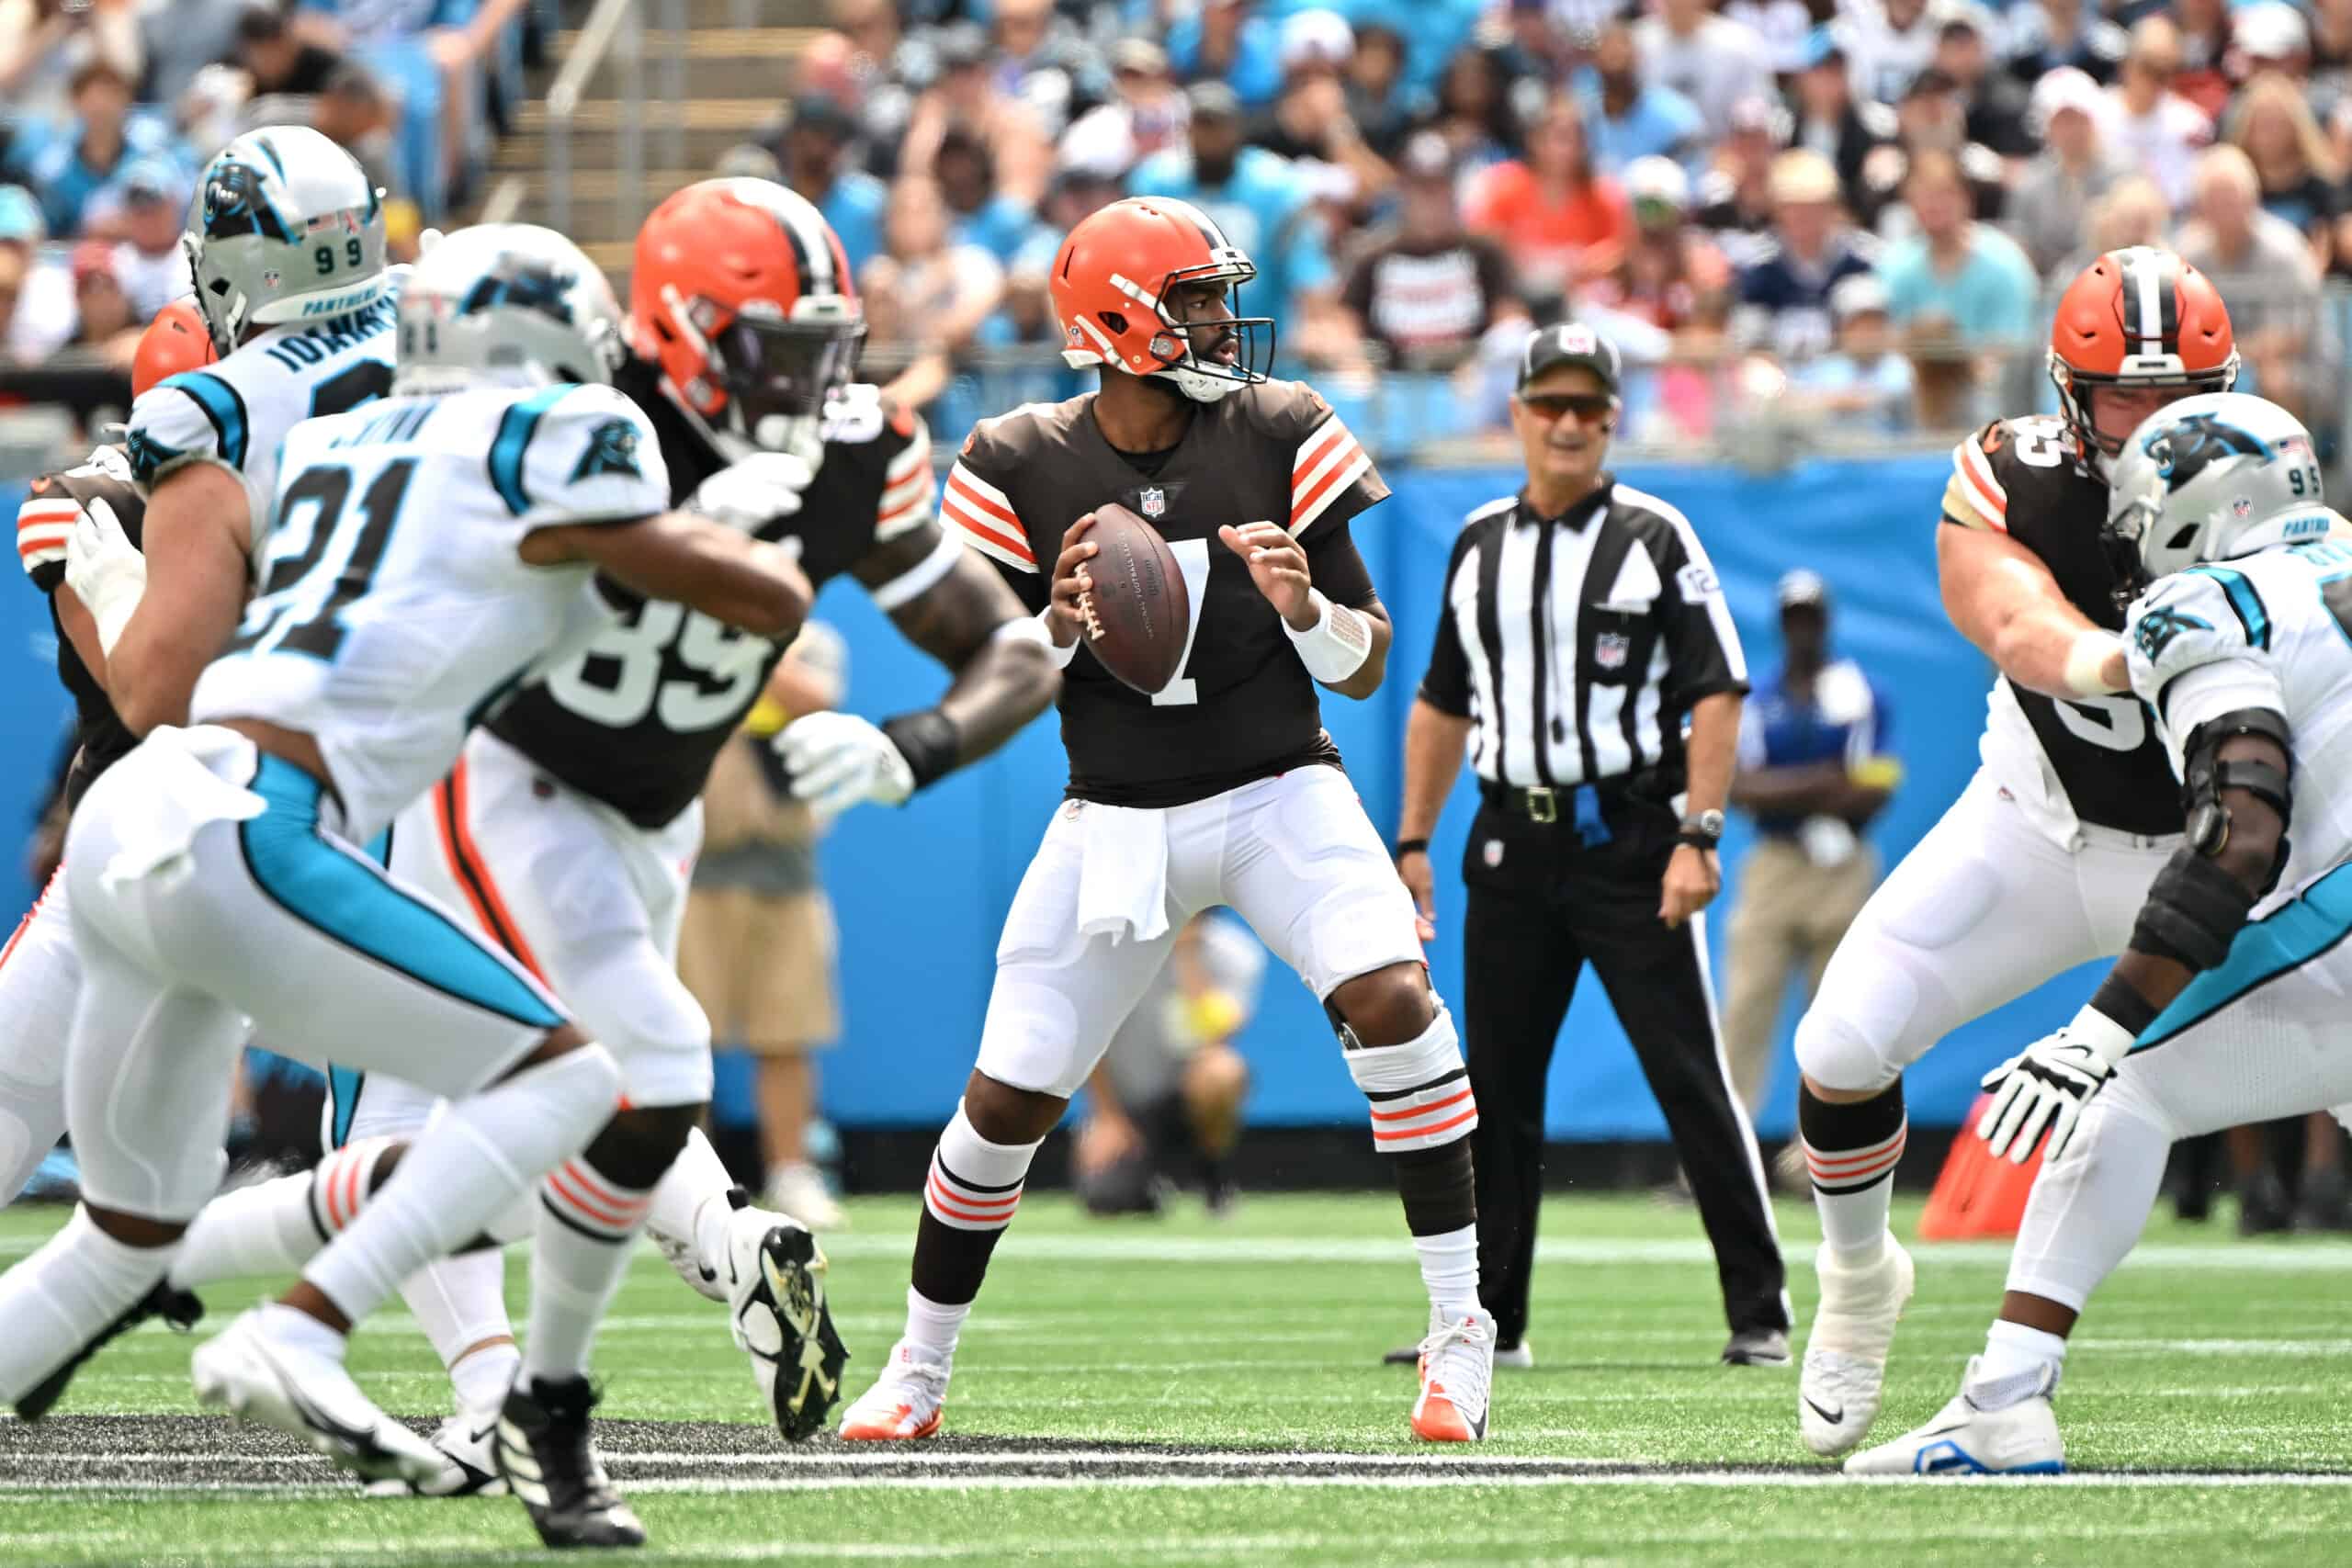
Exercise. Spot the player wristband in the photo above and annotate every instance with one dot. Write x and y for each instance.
(1335, 646)
(927, 740)
(2086, 657)
(2116, 1002)
(1060, 655)
(1411, 847)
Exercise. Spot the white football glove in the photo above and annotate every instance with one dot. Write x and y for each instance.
(748, 495)
(838, 759)
(2047, 1084)
(105, 569)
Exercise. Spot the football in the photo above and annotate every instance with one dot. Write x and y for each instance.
(1137, 611)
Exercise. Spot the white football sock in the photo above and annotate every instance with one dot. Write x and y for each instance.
(580, 1253)
(302, 1331)
(459, 1302)
(476, 1158)
(272, 1228)
(690, 1203)
(933, 1329)
(2010, 1370)
(1450, 1269)
(51, 1304)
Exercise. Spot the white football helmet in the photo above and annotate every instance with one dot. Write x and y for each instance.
(2212, 477)
(284, 228)
(505, 304)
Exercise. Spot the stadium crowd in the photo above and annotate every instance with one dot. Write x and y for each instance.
(1858, 210)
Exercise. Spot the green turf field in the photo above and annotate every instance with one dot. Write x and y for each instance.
(1186, 1392)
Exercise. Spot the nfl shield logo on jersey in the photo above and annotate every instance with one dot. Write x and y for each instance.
(1609, 650)
(1155, 500)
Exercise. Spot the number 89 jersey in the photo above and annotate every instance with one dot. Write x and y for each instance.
(2102, 756)
(395, 608)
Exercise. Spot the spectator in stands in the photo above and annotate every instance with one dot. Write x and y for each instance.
(1381, 106)
(2156, 127)
(1959, 287)
(43, 317)
(2270, 35)
(1474, 110)
(2205, 62)
(866, 65)
(967, 94)
(1736, 195)
(1673, 276)
(1144, 115)
(1260, 202)
(1996, 102)
(1629, 118)
(353, 112)
(2301, 182)
(2263, 266)
(1785, 292)
(812, 148)
(1039, 59)
(101, 140)
(1310, 118)
(2331, 76)
(103, 323)
(1025, 320)
(1888, 42)
(44, 44)
(2133, 212)
(935, 291)
(1230, 41)
(1560, 222)
(279, 60)
(13, 270)
(1864, 383)
(2047, 34)
(1830, 119)
(1710, 60)
(1932, 117)
(148, 261)
(979, 213)
(1425, 289)
(1783, 25)
(2049, 208)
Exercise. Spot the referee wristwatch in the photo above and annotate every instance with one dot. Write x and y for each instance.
(1702, 829)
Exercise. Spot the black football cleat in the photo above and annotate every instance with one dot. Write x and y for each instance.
(776, 1292)
(545, 1460)
(177, 1308)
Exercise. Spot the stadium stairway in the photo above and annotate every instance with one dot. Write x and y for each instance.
(736, 78)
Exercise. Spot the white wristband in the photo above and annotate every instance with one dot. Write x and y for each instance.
(2101, 1034)
(1335, 646)
(2087, 658)
(1061, 655)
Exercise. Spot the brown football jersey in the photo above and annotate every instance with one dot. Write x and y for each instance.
(1242, 707)
(43, 524)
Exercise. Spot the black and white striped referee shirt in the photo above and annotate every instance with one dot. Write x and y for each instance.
(1578, 643)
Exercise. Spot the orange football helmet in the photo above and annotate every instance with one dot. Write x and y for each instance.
(2142, 317)
(741, 294)
(176, 340)
(1111, 283)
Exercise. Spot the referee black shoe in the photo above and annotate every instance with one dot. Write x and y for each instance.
(177, 1308)
(545, 1460)
(1758, 1347)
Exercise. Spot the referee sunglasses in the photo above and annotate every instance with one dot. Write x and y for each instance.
(1587, 406)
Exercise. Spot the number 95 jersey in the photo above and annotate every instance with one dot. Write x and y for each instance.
(2095, 760)
(394, 608)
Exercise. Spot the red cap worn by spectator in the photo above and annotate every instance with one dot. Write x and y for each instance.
(176, 340)
(2142, 317)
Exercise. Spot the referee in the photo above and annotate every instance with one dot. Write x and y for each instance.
(1581, 623)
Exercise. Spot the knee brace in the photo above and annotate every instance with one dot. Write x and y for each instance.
(1420, 1091)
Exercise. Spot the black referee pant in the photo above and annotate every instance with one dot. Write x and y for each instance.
(1544, 904)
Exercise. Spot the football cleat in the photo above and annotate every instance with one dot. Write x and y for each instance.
(1964, 1439)
(1845, 1361)
(799, 1190)
(1519, 1357)
(902, 1405)
(255, 1376)
(681, 1253)
(1457, 1364)
(776, 1294)
(544, 1456)
(177, 1308)
(1758, 1347)
(469, 1468)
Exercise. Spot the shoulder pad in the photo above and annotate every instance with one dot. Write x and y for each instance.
(1287, 411)
(2192, 618)
(190, 417)
(578, 453)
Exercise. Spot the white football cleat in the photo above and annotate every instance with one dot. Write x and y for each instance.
(1845, 1361)
(468, 1465)
(1457, 1372)
(799, 1190)
(2017, 1439)
(255, 1376)
(775, 1289)
(903, 1405)
(1519, 1357)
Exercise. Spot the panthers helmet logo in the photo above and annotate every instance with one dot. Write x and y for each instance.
(2185, 448)
(236, 203)
(527, 288)
(612, 450)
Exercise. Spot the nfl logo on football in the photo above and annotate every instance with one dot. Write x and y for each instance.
(1155, 501)
(1609, 650)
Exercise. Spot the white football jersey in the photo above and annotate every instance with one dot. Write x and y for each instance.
(2269, 630)
(394, 610)
(237, 412)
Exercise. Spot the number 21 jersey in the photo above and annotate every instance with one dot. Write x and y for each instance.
(2103, 755)
(1241, 707)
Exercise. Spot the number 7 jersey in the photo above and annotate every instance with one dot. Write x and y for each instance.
(2095, 760)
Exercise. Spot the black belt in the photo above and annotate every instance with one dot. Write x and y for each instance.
(1580, 806)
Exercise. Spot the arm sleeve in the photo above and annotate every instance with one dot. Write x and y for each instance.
(975, 507)
(44, 524)
(1331, 478)
(1974, 497)
(1703, 654)
(1334, 565)
(2198, 645)
(910, 495)
(1445, 686)
(577, 455)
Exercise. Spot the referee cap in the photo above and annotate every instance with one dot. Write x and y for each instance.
(1570, 343)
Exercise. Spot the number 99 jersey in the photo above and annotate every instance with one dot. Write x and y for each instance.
(2095, 760)
(238, 410)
